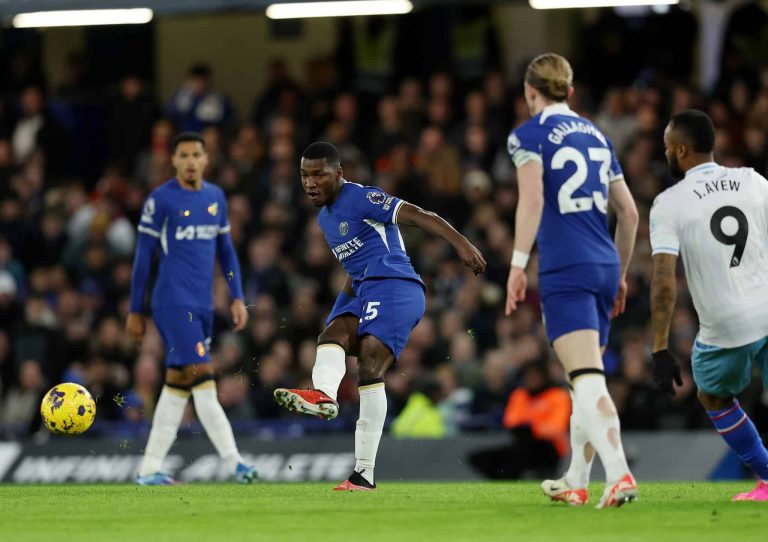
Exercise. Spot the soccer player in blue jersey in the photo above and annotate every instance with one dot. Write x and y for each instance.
(568, 176)
(381, 302)
(186, 219)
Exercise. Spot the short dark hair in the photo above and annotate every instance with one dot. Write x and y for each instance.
(183, 137)
(697, 128)
(200, 70)
(322, 149)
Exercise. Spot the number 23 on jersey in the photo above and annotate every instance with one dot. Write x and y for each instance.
(565, 199)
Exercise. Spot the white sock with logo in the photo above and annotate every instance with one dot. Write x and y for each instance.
(582, 452)
(165, 426)
(330, 367)
(602, 423)
(373, 411)
(215, 422)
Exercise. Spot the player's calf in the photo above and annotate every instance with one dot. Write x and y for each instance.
(312, 402)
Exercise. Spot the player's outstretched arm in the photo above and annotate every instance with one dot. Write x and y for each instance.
(621, 202)
(530, 206)
(412, 215)
(663, 295)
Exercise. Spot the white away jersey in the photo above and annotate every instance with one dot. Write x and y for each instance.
(717, 219)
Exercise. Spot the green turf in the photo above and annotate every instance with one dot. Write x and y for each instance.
(395, 512)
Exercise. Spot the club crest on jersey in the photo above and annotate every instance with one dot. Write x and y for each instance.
(377, 198)
(200, 349)
(213, 209)
(343, 228)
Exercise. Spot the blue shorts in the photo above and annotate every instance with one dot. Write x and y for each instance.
(186, 333)
(388, 309)
(725, 372)
(579, 297)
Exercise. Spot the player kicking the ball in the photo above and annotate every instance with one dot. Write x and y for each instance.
(718, 218)
(379, 305)
(568, 176)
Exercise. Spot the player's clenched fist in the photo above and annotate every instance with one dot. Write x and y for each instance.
(135, 326)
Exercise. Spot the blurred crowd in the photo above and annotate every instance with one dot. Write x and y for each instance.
(438, 141)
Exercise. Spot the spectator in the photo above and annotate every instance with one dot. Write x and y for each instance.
(197, 105)
(21, 405)
(130, 115)
(537, 415)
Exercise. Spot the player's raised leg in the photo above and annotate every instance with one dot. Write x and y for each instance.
(338, 338)
(579, 353)
(165, 425)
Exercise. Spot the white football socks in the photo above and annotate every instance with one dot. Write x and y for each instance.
(215, 422)
(165, 425)
(329, 369)
(582, 452)
(602, 423)
(373, 411)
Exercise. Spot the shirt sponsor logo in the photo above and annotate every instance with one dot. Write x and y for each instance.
(345, 250)
(377, 198)
(190, 233)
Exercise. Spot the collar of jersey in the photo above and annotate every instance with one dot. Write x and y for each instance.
(560, 108)
(705, 165)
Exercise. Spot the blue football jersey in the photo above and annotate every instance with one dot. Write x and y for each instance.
(187, 223)
(579, 163)
(361, 230)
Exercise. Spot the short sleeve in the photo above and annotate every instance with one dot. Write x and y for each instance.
(523, 146)
(615, 173)
(664, 238)
(152, 216)
(378, 205)
(223, 213)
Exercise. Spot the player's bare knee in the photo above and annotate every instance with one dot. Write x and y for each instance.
(333, 337)
(712, 402)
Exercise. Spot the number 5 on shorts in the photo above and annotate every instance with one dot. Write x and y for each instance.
(371, 311)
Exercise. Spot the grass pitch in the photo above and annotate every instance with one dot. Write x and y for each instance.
(396, 512)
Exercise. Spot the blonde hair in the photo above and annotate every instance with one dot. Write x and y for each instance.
(550, 74)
